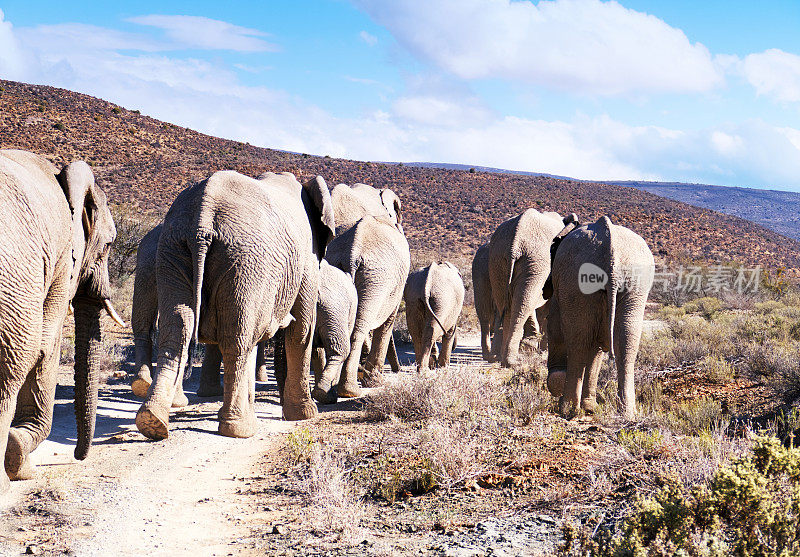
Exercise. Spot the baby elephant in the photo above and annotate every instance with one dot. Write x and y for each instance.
(336, 315)
(434, 296)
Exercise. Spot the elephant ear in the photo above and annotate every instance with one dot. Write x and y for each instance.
(571, 222)
(393, 206)
(77, 181)
(92, 225)
(319, 208)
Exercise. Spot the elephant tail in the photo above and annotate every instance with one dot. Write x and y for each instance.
(612, 286)
(199, 250)
(427, 295)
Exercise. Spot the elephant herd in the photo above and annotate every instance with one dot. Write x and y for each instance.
(240, 260)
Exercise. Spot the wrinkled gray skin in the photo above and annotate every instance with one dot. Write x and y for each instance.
(336, 316)
(351, 203)
(484, 303)
(375, 254)
(583, 326)
(144, 317)
(54, 249)
(487, 317)
(519, 264)
(238, 259)
(434, 296)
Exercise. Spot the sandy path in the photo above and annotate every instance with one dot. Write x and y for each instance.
(136, 497)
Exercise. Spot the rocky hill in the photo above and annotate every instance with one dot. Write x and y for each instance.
(448, 212)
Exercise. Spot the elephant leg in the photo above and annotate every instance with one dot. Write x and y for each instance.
(394, 361)
(318, 361)
(381, 337)
(448, 344)
(279, 361)
(210, 384)
(8, 402)
(426, 346)
(589, 392)
(34, 414)
(175, 331)
(237, 417)
(486, 341)
(297, 401)
(262, 374)
(143, 347)
(627, 334)
(577, 362)
(514, 326)
(348, 381)
(497, 338)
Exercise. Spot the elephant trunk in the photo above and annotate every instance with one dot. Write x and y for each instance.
(88, 345)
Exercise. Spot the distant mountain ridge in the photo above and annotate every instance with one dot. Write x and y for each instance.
(774, 209)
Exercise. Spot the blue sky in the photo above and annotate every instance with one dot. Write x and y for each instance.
(637, 89)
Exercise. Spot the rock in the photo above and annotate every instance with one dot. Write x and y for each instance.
(32, 549)
(279, 529)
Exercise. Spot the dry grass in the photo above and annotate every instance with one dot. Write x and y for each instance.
(333, 504)
(447, 393)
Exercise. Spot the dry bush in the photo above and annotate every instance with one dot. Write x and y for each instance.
(526, 395)
(131, 226)
(450, 453)
(717, 369)
(452, 392)
(334, 505)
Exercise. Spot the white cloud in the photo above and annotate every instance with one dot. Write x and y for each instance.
(15, 63)
(432, 121)
(436, 111)
(585, 46)
(368, 38)
(773, 73)
(205, 33)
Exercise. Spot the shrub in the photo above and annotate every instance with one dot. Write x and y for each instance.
(131, 228)
(707, 306)
(640, 443)
(447, 393)
(717, 369)
(333, 503)
(692, 417)
(749, 508)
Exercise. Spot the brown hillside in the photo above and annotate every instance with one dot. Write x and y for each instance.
(146, 162)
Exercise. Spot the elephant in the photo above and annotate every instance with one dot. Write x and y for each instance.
(434, 297)
(53, 253)
(519, 264)
(144, 317)
(351, 203)
(375, 254)
(337, 305)
(602, 275)
(238, 260)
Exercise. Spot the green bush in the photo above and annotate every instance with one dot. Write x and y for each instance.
(750, 508)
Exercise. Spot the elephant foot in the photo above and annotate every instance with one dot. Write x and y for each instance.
(238, 427)
(179, 400)
(17, 463)
(373, 379)
(555, 382)
(349, 391)
(629, 414)
(210, 390)
(302, 411)
(324, 396)
(589, 405)
(262, 374)
(140, 386)
(151, 424)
